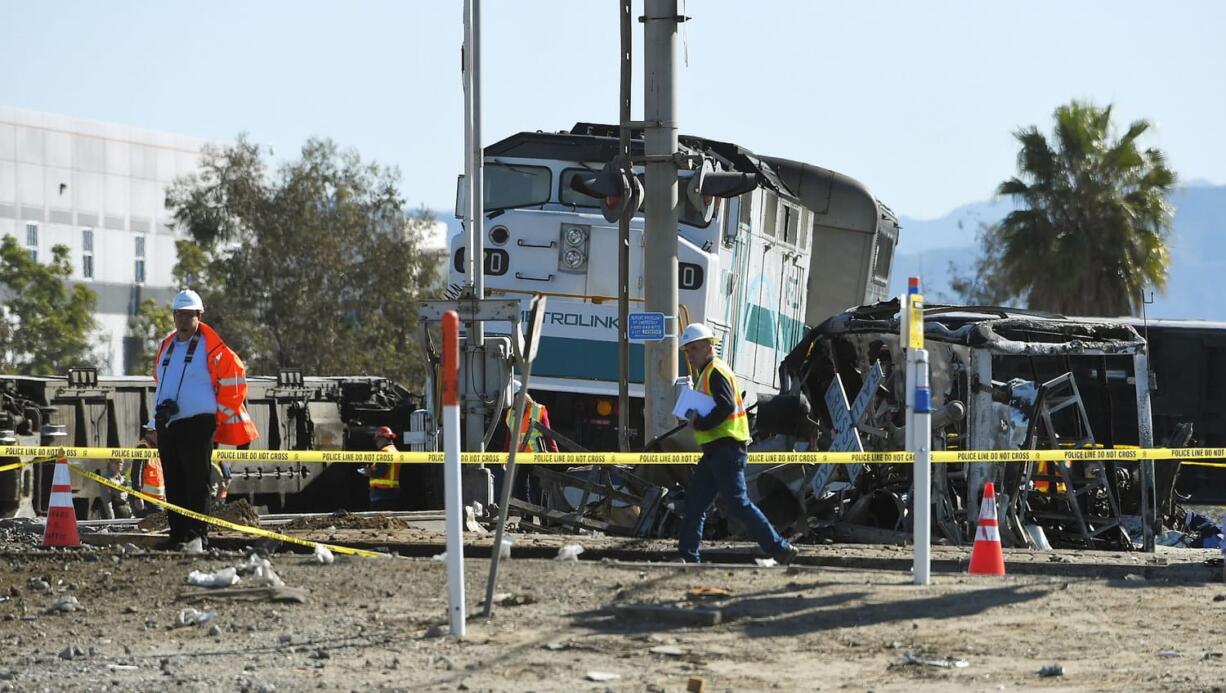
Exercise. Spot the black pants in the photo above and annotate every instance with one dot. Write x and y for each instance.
(186, 447)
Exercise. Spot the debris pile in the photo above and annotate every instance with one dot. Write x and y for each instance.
(1001, 379)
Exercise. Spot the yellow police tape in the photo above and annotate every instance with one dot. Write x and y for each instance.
(573, 459)
(245, 529)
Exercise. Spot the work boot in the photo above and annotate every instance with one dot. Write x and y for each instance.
(787, 555)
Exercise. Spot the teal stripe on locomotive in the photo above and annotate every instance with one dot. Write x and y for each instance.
(762, 329)
(584, 359)
(589, 359)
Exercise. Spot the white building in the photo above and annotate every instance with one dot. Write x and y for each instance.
(100, 189)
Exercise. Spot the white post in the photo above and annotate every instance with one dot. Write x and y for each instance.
(919, 429)
(453, 504)
(921, 420)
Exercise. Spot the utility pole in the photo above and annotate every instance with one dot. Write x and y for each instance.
(660, 256)
(474, 251)
(623, 240)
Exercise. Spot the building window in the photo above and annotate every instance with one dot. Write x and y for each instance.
(32, 241)
(139, 277)
(87, 253)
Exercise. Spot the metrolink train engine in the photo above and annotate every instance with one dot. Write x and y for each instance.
(803, 244)
(292, 412)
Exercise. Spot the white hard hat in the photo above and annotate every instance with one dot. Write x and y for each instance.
(187, 300)
(696, 332)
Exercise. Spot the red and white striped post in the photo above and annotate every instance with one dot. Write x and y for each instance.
(453, 501)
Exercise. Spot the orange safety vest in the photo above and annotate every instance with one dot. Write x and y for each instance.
(1043, 486)
(151, 483)
(530, 439)
(229, 376)
(391, 477)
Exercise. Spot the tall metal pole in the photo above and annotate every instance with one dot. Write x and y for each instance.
(660, 248)
(474, 362)
(623, 243)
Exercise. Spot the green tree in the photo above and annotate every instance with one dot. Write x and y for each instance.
(152, 322)
(317, 266)
(45, 324)
(1092, 223)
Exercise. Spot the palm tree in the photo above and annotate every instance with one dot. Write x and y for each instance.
(1092, 223)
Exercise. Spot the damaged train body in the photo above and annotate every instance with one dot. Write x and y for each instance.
(292, 412)
(1001, 379)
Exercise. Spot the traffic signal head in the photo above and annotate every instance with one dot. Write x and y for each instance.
(619, 190)
(706, 186)
(705, 204)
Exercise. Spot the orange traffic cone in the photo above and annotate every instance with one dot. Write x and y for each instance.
(986, 558)
(61, 528)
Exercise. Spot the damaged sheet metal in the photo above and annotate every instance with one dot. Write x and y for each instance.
(1001, 379)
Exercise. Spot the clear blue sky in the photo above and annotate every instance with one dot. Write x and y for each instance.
(916, 99)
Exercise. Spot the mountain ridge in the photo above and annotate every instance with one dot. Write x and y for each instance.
(926, 249)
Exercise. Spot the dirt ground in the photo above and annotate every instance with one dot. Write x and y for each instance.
(844, 619)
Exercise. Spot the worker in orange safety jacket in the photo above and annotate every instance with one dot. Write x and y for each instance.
(200, 401)
(146, 475)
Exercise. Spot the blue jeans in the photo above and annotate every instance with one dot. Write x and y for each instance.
(721, 471)
(384, 499)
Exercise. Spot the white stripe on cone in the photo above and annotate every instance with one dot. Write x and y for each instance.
(61, 499)
(988, 508)
(61, 475)
(987, 533)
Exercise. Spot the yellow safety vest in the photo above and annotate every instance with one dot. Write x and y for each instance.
(529, 437)
(390, 478)
(736, 426)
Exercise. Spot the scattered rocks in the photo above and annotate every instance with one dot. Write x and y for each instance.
(513, 599)
(64, 604)
(1052, 670)
(38, 585)
(72, 652)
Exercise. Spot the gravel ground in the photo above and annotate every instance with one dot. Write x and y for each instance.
(1111, 621)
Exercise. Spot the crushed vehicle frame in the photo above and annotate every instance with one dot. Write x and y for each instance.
(1001, 378)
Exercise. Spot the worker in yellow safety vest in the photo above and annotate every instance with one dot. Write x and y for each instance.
(723, 434)
(384, 476)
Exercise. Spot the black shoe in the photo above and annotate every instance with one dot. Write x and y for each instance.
(787, 555)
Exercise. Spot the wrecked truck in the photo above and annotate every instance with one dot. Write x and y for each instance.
(1001, 379)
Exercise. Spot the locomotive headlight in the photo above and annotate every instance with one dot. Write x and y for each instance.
(573, 249)
(573, 259)
(575, 236)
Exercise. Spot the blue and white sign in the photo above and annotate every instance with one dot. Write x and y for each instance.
(645, 326)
